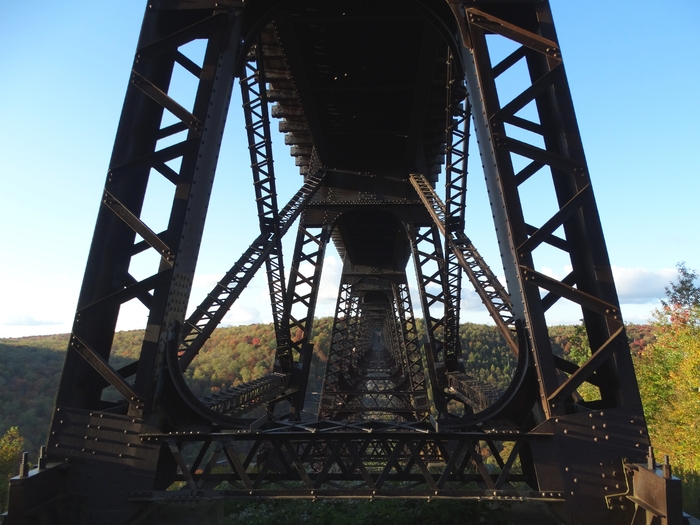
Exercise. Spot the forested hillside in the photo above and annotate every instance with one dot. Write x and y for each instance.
(29, 372)
(30, 367)
(666, 357)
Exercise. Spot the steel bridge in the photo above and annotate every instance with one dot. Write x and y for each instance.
(377, 101)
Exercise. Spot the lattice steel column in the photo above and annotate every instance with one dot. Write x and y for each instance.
(257, 123)
(437, 306)
(167, 142)
(300, 305)
(415, 369)
(340, 349)
(456, 152)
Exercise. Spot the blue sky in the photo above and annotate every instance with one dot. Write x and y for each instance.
(633, 68)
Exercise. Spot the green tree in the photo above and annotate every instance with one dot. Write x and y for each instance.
(669, 378)
(11, 447)
(668, 370)
(683, 296)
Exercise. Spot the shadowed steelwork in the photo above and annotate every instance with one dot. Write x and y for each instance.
(377, 101)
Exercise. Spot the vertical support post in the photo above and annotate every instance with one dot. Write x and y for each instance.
(340, 348)
(300, 306)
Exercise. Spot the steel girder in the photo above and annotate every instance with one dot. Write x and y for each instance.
(360, 460)
(128, 427)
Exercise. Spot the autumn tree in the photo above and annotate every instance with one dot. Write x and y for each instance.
(11, 447)
(668, 370)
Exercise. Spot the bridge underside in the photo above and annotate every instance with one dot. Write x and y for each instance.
(377, 101)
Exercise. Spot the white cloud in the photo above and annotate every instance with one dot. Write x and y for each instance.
(639, 291)
(642, 286)
(471, 300)
(549, 272)
(25, 320)
(243, 314)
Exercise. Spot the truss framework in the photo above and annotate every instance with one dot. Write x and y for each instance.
(378, 434)
(354, 460)
(374, 367)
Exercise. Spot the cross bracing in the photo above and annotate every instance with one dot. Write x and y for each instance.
(377, 101)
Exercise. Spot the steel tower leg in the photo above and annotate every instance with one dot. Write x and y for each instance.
(534, 137)
(101, 409)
